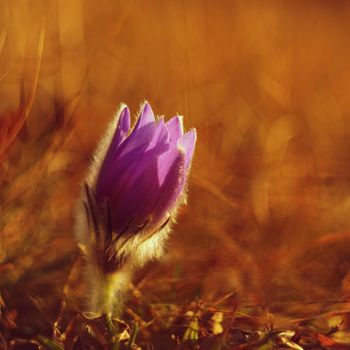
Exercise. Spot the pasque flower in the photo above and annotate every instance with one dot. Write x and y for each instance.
(131, 196)
(144, 171)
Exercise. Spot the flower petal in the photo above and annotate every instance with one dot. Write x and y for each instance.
(121, 130)
(146, 116)
(171, 189)
(162, 194)
(133, 165)
(147, 136)
(123, 125)
(134, 190)
(108, 176)
(165, 162)
(119, 136)
(175, 128)
(188, 142)
(142, 199)
(128, 156)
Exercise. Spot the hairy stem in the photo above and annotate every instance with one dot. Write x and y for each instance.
(107, 291)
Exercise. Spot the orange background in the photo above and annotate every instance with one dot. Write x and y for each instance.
(266, 85)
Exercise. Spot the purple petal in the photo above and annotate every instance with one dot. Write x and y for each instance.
(140, 198)
(132, 166)
(123, 125)
(148, 136)
(126, 200)
(188, 142)
(146, 116)
(175, 128)
(135, 193)
(165, 162)
(121, 130)
(119, 136)
(170, 190)
(166, 190)
(127, 157)
(107, 179)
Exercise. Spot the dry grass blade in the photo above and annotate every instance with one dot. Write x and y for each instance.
(23, 113)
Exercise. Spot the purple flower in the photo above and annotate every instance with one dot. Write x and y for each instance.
(143, 175)
(135, 184)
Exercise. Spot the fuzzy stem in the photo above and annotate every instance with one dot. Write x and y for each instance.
(107, 291)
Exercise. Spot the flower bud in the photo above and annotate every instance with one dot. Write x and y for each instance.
(132, 193)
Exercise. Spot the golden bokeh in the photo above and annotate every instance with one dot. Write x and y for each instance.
(265, 83)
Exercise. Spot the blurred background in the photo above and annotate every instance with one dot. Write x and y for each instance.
(266, 85)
